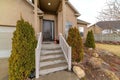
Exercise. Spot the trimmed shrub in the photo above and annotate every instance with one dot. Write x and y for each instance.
(75, 41)
(90, 42)
(22, 59)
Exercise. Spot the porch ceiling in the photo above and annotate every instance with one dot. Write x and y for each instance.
(49, 5)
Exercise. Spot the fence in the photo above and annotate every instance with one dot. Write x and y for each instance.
(107, 37)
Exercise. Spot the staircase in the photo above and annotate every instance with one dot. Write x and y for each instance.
(51, 59)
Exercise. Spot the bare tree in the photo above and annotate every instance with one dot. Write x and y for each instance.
(110, 12)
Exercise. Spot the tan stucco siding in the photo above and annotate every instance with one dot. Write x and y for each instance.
(70, 16)
(49, 17)
(10, 11)
(59, 20)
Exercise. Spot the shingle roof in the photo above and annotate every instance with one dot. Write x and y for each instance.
(109, 24)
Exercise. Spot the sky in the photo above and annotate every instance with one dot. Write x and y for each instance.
(88, 9)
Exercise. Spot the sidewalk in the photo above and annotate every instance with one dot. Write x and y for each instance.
(61, 75)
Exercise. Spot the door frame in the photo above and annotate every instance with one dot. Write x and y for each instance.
(53, 33)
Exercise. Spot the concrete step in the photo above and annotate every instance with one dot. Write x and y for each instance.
(53, 68)
(52, 61)
(50, 56)
(51, 51)
(51, 47)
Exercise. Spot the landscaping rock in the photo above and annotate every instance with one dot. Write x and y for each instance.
(79, 71)
(95, 55)
(95, 63)
(75, 64)
(111, 75)
(90, 49)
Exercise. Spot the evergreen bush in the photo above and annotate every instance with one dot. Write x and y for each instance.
(75, 41)
(22, 59)
(90, 42)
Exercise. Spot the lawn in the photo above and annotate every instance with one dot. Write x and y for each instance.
(115, 49)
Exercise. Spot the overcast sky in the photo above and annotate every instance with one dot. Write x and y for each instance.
(88, 8)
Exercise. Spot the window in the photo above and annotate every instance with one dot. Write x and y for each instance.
(107, 31)
(67, 27)
(81, 30)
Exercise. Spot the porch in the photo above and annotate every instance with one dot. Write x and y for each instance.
(49, 18)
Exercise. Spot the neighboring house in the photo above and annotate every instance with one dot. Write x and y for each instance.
(96, 29)
(53, 17)
(105, 27)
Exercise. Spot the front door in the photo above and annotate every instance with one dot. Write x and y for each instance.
(48, 30)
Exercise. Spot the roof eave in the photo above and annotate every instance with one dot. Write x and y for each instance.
(75, 10)
(82, 22)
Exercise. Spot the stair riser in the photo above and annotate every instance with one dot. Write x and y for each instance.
(50, 52)
(51, 56)
(50, 48)
(47, 71)
(51, 62)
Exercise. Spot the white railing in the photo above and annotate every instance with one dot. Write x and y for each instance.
(66, 50)
(37, 54)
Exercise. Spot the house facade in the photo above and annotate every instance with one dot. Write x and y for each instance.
(50, 17)
(96, 29)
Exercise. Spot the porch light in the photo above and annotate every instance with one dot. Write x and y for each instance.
(49, 4)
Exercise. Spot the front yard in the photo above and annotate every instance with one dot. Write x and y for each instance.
(111, 63)
(115, 49)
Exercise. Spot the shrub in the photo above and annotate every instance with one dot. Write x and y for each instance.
(75, 41)
(90, 42)
(22, 59)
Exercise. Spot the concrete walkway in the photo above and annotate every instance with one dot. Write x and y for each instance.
(61, 75)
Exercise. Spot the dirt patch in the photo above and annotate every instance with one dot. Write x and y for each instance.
(111, 63)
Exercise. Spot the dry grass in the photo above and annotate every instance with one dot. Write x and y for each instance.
(111, 48)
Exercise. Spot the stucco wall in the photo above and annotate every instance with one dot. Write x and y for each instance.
(10, 11)
(59, 21)
(70, 16)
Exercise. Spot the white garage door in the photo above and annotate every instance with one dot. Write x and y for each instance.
(6, 34)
